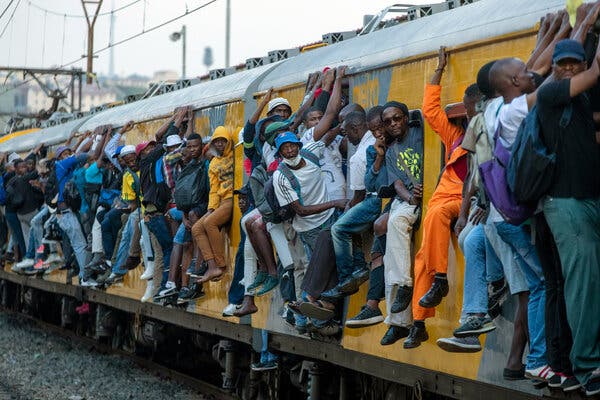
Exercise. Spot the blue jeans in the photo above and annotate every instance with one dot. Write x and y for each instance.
(125, 244)
(265, 355)
(481, 266)
(529, 262)
(111, 223)
(176, 214)
(356, 220)
(15, 231)
(158, 226)
(36, 232)
(71, 226)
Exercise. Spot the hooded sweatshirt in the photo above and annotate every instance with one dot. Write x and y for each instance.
(220, 171)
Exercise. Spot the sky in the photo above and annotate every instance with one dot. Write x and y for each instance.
(37, 38)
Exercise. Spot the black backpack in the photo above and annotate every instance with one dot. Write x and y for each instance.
(284, 213)
(192, 187)
(51, 188)
(71, 195)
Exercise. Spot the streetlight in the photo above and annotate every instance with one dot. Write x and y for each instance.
(175, 36)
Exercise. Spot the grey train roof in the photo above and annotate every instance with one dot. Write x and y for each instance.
(477, 21)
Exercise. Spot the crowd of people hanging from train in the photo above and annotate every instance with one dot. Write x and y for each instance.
(319, 219)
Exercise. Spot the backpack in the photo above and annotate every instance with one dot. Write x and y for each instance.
(493, 175)
(14, 197)
(51, 188)
(71, 195)
(531, 166)
(284, 213)
(191, 187)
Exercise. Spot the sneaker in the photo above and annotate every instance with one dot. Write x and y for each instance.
(113, 279)
(99, 267)
(569, 383)
(261, 277)
(54, 258)
(439, 289)
(25, 263)
(331, 328)
(230, 309)
(367, 316)
(170, 289)
(475, 326)
(266, 366)
(469, 344)
(543, 373)
(592, 387)
(29, 271)
(199, 270)
(514, 374)
(556, 380)
(149, 291)
(289, 318)
(191, 268)
(393, 334)
(187, 294)
(402, 300)
(415, 337)
(269, 284)
(88, 282)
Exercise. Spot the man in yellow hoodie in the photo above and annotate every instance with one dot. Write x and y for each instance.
(220, 205)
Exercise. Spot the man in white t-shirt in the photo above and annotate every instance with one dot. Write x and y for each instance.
(306, 192)
(515, 83)
(361, 211)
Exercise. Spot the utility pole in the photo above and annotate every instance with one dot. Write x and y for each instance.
(227, 32)
(111, 39)
(175, 36)
(90, 46)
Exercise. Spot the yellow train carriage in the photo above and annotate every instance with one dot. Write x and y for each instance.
(391, 64)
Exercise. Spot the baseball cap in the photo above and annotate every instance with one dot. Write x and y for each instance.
(118, 151)
(568, 48)
(60, 150)
(274, 127)
(129, 149)
(277, 102)
(141, 146)
(286, 137)
(173, 140)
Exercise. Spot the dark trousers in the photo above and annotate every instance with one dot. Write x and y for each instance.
(110, 231)
(236, 290)
(558, 333)
(376, 284)
(15, 230)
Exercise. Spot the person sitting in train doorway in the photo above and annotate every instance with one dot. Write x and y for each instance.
(404, 166)
(572, 205)
(360, 213)
(431, 261)
(67, 216)
(206, 231)
(375, 178)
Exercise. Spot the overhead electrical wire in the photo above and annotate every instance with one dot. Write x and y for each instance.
(32, 4)
(10, 18)
(155, 27)
(6, 9)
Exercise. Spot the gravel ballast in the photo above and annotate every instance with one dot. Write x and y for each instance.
(35, 364)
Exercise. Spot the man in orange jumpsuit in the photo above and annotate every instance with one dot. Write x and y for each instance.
(431, 262)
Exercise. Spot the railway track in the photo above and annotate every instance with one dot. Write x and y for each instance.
(207, 390)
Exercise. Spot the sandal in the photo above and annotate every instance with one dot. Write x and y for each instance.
(295, 306)
(316, 310)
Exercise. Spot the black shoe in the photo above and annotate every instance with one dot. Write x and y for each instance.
(415, 337)
(98, 268)
(514, 374)
(332, 295)
(187, 294)
(402, 300)
(592, 387)
(361, 275)
(393, 334)
(351, 285)
(435, 294)
(366, 317)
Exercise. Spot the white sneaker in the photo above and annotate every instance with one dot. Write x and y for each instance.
(88, 283)
(53, 258)
(230, 309)
(149, 293)
(25, 263)
(149, 271)
(542, 373)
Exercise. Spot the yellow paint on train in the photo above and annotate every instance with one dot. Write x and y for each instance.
(17, 134)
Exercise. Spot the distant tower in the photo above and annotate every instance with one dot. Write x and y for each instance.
(111, 38)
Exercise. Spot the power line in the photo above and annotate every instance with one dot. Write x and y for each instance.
(6, 9)
(185, 14)
(10, 18)
(79, 15)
